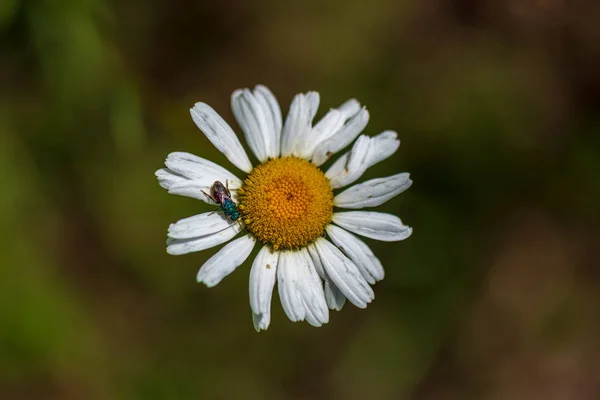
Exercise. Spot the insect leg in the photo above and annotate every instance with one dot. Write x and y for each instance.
(215, 210)
(209, 196)
(227, 187)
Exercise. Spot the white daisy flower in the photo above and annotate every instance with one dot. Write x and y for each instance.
(287, 204)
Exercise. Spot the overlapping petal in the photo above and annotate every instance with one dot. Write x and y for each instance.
(365, 153)
(324, 129)
(198, 225)
(344, 273)
(259, 116)
(333, 296)
(368, 264)
(298, 123)
(342, 137)
(189, 245)
(317, 312)
(301, 295)
(190, 175)
(382, 146)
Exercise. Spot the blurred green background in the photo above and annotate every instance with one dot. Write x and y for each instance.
(495, 296)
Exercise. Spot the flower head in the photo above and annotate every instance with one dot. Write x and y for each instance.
(287, 203)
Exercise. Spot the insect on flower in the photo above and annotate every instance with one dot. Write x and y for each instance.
(222, 196)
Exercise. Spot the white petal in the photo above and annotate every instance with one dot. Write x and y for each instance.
(220, 135)
(184, 246)
(333, 297)
(167, 178)
(311, 289)
(342, 138)
(313, 99)
(198, 225)
(231, 256)
(260, 118)
(329, 126)
(197, 190)
(180, 185)
(358, 252)
(314, 255)
(287, 278)
(262, 280)
(272, 112)
(374, 225)
(298, 123)
(349, 108)
(196, 168)
(190, 175)
(374, 192)
(365, 153)
(249, 116)
(383, 146)
(323, 130)
(194, 189)
(351, 165)
(300, 288)
(344, 273)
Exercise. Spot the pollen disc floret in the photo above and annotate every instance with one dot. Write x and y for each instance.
(286, 202)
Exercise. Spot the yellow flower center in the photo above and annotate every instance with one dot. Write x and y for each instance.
(286, 202)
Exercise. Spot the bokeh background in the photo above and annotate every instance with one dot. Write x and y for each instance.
(495, 296)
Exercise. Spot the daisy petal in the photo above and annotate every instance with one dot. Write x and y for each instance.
(300, 288)
(342, 138)
(323, 130)
(180, 185)
(190, 175)
(298, 123)
(183, 246)
(365, 153)
(196, 168)
(311, 290)
(358, 252)
(344, 274)
(313, 99)
(272, 113)
(167, 178)
(199, 225)
(383, 146)
(287, 279)
(262, 280)
(374, 225)
(333, 297)
(255, 114)
(351, 165)
(250, 118)
(194, 189)
(349, 108)
(314, 255)
(197, 190)
(374, 192)
(231, 256)
(220, 135)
